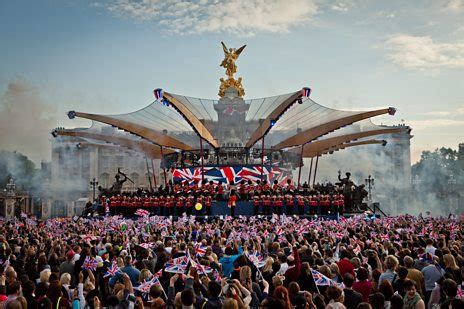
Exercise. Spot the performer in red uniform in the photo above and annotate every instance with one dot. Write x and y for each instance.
(208, 203)
(232, 203)
(220, 192)
(113, 205)
(256, 203)
(162, 205)
(301, 204)
(154, 203)
(189, 204)
(313, 204)
(179, 204)
(266, 204)
(170, 205)
(278, 202)
(325, 204)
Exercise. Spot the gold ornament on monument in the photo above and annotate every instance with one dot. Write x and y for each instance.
(230, 56)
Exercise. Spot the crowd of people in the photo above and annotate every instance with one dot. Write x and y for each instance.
(181, 197)
(224, 262)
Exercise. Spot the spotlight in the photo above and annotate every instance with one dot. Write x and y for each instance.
(78, 145)
(71, 114)
(300, 101)
(391, 111)
(384, 143)
(54, 133)
(273, 122)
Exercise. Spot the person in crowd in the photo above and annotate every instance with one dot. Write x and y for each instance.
(352, 298)
(391, 262)
(363, 285)
(412, 299)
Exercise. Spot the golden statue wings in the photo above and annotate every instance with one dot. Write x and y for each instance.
(230, 56)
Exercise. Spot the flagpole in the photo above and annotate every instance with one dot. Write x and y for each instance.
(162, 289)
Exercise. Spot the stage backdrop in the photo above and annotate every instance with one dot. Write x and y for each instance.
(226, 174)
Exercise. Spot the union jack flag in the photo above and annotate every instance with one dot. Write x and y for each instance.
(142, 212)
(5, 264)
(228, 174)
(321, 280)
(90, 263)
(256, 258)
(217, 276)
(177, 265)
(266, 234)
(145, 286)
(460, 293)
(384, 237)
(146, 245)
(200, 250)
(357, 250)
(112, 270)
(306, 91)
(201, 269)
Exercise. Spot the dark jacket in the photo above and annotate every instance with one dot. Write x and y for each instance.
(352, 298)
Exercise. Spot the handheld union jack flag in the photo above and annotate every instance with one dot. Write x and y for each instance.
(146, 245)
(256, 258)
(200, 250)
(321, 280)
(145, 286)
(460, 293)
(112, 270)
(177, 265)
(5, 264)
(142, 212)
(217, 276)
(384, 237)
(90, 263)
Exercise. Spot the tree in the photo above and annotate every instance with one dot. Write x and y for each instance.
(435, 168)
(18, 166)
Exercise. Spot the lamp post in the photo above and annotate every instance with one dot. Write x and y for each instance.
(369, 184)
(94, 184)
(452, 193)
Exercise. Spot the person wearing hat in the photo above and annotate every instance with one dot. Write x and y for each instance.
(68, 265)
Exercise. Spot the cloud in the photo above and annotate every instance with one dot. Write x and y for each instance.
(422, 53)
(244, 17)
(435, 123)
(25, 120)
(455, 6)
(460, 111)
(437, 113)
(341, 7)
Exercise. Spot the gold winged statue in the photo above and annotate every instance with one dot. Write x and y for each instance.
(230, 56)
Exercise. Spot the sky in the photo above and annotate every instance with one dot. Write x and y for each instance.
(107, 56)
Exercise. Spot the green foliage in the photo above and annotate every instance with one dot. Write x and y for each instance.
(435, 168)
(18, 166)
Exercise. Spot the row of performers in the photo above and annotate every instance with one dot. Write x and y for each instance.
(243, 188)
(264, 203)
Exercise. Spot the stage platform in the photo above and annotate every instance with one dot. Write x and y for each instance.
(245, 208)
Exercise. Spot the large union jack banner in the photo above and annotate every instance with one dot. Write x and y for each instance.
(227, 174)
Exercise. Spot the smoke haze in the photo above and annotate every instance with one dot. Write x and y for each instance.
(26, 120)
